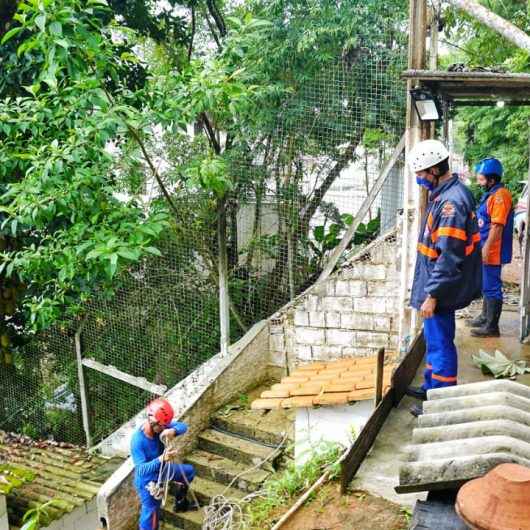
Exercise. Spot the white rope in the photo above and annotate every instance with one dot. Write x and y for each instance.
(227, 514)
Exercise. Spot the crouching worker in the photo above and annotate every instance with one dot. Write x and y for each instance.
(448, 263)
(147, 452)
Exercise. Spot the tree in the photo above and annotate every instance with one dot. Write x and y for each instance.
(64, 231)
(492, 131)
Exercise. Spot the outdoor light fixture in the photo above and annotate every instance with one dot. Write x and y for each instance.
(500, 104)
(427, 105)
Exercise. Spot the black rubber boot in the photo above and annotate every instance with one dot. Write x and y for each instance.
(182, 504)
(480, 320)
(493, 314)
(416, 392)
(416, 410)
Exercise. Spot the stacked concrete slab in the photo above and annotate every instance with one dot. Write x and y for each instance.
(466, 431)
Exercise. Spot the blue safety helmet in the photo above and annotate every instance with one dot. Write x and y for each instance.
(489, 166)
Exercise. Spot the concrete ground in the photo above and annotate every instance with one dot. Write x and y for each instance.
(379, 472)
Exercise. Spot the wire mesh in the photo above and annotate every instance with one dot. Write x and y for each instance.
(308, 177)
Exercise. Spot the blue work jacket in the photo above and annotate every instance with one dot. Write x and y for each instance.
(448, 262)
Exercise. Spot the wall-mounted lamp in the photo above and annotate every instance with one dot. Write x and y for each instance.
(427, 106)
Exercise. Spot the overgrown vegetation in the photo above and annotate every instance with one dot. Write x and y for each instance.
(492, 131)
(100, 173)
(282, 489)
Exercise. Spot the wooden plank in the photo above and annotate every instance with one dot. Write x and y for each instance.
(339, 386)
(266, 404)
(402, 377)
(462, 77)
(379, 377)
(408, 367)
(294, 379)
(363, 210)
(307, 389)
(112, 371)
(279, 393)
(364, 441)
(298, 402)
(335, 398)
(361, 395)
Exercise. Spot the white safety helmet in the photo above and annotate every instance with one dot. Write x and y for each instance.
(427, 154)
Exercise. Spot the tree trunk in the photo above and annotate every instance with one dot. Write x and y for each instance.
(494, 22)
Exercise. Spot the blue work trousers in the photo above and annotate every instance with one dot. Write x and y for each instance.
(491, 281)
(150, 507)
(442, 359)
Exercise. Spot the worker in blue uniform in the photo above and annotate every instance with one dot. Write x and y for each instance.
(447, 276)
(148, 454)
(495, 220)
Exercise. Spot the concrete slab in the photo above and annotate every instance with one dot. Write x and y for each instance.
(380, 471)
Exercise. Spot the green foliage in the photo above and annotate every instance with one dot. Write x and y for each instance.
(491, 131)
(42, 515)
(12, 477)
(282, 488)
(499, 365)
(69, 233)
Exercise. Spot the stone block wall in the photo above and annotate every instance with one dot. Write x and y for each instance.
(354, 312)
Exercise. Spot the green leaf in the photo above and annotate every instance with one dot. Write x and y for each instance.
(318, 233)
(40, 21)
(56, 28)
(153, 250)
(11, 33)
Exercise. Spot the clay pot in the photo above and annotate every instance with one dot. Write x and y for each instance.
(500, 500)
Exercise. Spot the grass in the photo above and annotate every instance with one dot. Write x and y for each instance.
(282, 489)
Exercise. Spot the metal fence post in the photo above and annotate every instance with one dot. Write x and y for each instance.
(224, 300)
(82, 387)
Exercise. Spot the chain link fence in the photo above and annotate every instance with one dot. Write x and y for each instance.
(304, 182)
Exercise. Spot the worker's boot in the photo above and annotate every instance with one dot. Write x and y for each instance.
(416, 410)
(416, 392)
(480, 319)
(493, 314)
(182, 504)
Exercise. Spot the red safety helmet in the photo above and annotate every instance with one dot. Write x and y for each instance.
(161, 411)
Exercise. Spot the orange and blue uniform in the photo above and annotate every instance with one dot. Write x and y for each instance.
(448, 267)
(496, 207)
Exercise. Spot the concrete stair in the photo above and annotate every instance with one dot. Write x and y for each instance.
(219, 458)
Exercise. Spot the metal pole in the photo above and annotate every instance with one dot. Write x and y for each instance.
(224, 303)
(525, 287)
(82, 387)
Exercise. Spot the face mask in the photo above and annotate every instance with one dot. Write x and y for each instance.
(425, 183)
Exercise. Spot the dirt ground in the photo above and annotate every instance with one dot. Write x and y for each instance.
(357, 510)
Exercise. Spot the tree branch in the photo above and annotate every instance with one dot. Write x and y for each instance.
(192, 36)
(216, 15)
(493, 21)
(210, 133)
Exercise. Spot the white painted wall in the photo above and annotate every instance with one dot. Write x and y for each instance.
(340, 424)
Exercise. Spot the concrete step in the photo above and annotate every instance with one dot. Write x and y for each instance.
(234, 448)
(470, 430)
(483, 387)
(205, 489)
(478, 400)
(181, 520)
(220, 469)
(248, 429)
